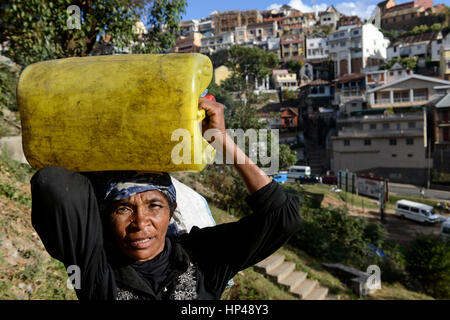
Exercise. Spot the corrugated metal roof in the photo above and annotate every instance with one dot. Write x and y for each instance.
(444, 102)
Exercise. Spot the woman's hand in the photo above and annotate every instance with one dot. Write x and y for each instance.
(215, 118)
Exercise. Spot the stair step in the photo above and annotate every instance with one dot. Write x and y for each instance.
(270, 263)
(294, 279)
(304, 288)
(319, 293)
(282, 271)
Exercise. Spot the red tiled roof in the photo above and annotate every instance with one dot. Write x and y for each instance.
(293, 110)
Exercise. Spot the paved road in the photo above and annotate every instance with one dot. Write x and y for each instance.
(410, 190)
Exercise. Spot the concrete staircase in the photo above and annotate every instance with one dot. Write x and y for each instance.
(316, 157)
(296, 282)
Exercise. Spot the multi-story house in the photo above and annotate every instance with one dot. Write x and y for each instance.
(349, 87)
(376, 78)
(227, 21)
(317, 48)
(258, 32)
(188, 44)
(274, 15)
(349, 21)
(422, 46)
(390, 146)
(444, 64)
(283, 79)
(408, 92)
(355, 47)
(206, 26)
(329, 17)
(292, 47)
(293, 22)
(314, 95)
(407, 15)
(289, 117)
(212, 43)
(188, 27)
(440, 114)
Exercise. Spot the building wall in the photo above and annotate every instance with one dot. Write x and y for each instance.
(220, 74)
(445, 62)
(317, 48)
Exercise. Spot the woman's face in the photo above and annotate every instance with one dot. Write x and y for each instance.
(139, 224)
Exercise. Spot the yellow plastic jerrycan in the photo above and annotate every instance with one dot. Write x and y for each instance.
(120, 112)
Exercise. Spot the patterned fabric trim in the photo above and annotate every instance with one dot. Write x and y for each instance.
(185, 288)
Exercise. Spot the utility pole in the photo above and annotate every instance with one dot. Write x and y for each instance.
(382, 198)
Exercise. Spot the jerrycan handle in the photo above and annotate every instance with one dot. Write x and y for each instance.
(201, 113)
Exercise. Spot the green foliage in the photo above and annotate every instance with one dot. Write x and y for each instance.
(8, 80)
(37, 30)
(250, 61)
(289, 94)
(12, 193)
(375, 233)
(20, 171)
(288, 157)
(410, 63)
(428, 261)
(294, 66)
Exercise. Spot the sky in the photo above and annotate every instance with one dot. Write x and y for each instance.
(196, 9)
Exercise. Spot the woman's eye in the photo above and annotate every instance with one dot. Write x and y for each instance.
(123, 210)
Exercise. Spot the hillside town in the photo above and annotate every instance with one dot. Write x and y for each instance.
(358, 106)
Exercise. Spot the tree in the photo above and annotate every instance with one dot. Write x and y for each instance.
(250, 63)
(428, 261)
(288, 157)
(294, 66)
(37, 30)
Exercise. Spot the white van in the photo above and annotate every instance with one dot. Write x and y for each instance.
(296, 172)
(416, 211)
(445, 229)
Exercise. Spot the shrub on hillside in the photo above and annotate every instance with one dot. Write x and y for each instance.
(375, 233)
(428, 262)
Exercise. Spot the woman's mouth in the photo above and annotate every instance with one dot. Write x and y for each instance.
(141, 243)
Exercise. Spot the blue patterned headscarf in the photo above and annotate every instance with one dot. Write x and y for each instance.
(123, 187)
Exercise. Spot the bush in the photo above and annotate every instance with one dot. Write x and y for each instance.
(331, 235)
(428, 261)
(375, 233)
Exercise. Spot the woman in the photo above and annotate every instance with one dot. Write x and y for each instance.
(117, 236)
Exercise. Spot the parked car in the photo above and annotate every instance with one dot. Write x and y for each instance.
(297, 172)
(445, 229)
(416, 211)
(280, 177)
(329, 179)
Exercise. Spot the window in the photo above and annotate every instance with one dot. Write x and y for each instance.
(415, 210)
(385, 125)
(394, 155)
(409, 141)
(391, 73)
(393, 142)
(403, 207)
(410, 155)
(367, 142)
(342, 44)
(373, 126)
(411, 125)
(355, 32)
(398, 126)
(346, 142)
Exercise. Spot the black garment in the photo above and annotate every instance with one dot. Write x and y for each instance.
(65, 214)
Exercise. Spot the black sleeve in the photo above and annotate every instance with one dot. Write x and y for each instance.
(65, 215)
(225, 249)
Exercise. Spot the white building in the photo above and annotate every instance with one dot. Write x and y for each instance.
(213, 43)
(421, 46)
(353, 48)
(188, 27)
(317, 48)
(329, 17)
